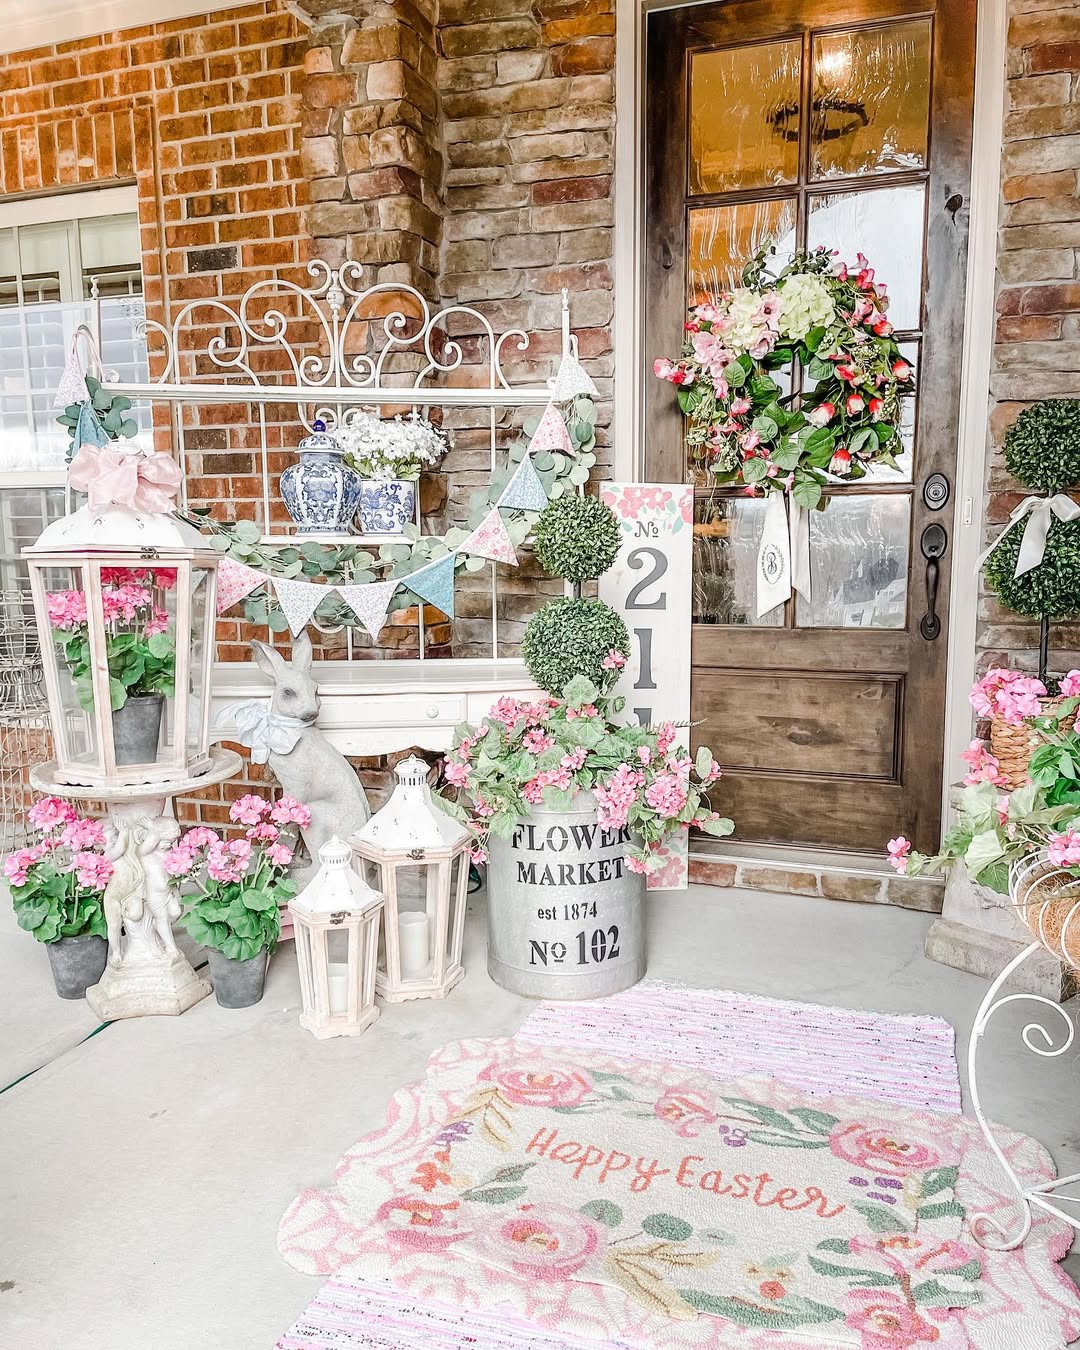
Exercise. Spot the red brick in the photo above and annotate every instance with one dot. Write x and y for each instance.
(1028, 328)
(1061, 184)
(592, 56)
(1054, 56)
(570, 190)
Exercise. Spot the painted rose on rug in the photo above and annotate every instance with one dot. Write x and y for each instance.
(661, 1197)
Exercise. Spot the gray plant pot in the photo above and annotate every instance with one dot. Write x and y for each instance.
(238, 984)
(77, 963)
(137, 729)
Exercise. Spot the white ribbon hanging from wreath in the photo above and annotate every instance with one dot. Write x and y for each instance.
(783, 560)
(1038, 512)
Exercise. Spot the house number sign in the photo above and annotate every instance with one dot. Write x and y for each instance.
(650, 586)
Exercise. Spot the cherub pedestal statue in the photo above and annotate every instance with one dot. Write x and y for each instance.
(146, 974)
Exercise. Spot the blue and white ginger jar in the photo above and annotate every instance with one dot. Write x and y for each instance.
(321, 492)
(387, 505)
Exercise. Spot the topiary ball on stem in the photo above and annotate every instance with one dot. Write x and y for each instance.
(1042, 447)
(576, 537)
(570, 637)
(1049, 591)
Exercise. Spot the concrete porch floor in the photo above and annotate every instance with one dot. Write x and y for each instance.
(144, 1170)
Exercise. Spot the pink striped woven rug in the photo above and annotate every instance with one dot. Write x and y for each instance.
(905, 1059)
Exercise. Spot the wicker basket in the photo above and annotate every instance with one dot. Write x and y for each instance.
(1012, 746)
(1047, 898)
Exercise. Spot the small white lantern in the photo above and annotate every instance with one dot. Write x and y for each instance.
(336, 929)
(124, 602)
(422, 859)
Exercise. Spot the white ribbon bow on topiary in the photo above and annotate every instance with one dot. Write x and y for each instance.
(1033, 545)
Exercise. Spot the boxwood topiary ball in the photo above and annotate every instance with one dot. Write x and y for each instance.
(1050, 590)
(571, 637)
(1042, 447)
(576, 537)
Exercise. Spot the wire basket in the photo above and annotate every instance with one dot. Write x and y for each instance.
(1047, 898)
(25, 735)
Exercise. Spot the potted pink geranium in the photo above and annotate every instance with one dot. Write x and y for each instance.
(56, 889)
(238, 887)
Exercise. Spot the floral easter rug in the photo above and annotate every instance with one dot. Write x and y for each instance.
(652, 1204)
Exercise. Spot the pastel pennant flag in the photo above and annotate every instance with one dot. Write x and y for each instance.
(490, 540)
(525, 491)
(572, 380)
(298, 600)
(551, 433)
(369, 603)
(72, 387)
(88, 429)
(234, 581)
(434, 583)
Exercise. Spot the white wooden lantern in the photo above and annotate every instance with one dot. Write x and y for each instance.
(421, 857)
(124, 603)
(336, 929)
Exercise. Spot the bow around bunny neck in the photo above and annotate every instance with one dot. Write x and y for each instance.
(121, 473)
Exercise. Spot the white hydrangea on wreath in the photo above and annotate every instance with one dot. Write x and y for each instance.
(832, 320)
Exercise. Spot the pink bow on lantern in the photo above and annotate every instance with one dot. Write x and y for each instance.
(110, 477)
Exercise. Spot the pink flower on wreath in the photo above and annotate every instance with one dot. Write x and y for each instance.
(537, 741)
(278, 855)
(83, 834)
(249, 809)
(984, 767)
(898, 850)
(93, 870)
(883, 1148)
(288, 811)
(50, 812)
(666, 795)
(179, 861)
(685, 1110)
(1063, 850)
(544, 1242)
(544, 1085)
(887, 1322)
(418, 1224)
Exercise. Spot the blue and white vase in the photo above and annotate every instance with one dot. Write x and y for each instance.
(387, 505)
(321, 492)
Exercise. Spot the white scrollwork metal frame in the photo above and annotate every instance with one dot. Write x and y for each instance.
(1050, 1196)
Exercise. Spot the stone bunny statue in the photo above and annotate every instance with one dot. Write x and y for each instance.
(312, 771)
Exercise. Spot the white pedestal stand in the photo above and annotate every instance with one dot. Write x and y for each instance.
(147, 975)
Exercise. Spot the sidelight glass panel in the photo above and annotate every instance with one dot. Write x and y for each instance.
(858, 563)
(722, 239)
(886, 225)
(727, 533)
(744, 117)
(870, 100)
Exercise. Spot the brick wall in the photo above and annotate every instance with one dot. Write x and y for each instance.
(1037, 345)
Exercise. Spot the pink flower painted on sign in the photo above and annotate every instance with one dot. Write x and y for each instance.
(686, 1110)
(413, 1222)
(545, 1242)
(879, 1147)
(887, 1322)
(542, 1086)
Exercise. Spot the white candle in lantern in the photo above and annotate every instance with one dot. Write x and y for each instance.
(413, 941)
(337, 983)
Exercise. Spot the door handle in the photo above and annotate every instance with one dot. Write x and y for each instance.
(933, 543)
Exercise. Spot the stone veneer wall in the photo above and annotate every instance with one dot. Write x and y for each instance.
(1037, 345)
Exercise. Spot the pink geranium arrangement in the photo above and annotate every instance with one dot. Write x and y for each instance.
(239, 884)
(57, 883)
(139, 646)
(546, 752)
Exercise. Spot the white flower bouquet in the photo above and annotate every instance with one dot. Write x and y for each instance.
(392, 447)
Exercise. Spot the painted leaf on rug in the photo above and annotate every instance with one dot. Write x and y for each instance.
(667, 1226)
(882, 1220)
(495, 1195)
(939, 1179)
(818, 1121)
(933, 1294)
(864, 1279)
(634, 1269)
(603, 1211)
(789, 1312)
(941, 1209)
(491, 1109)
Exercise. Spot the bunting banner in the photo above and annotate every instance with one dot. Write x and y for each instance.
(551, 433)
(370, 603)
(572, 381)
(234, 582)
(434, 583)
(525, 491)
(491, 540)
(298, 600)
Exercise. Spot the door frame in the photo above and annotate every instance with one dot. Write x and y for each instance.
(969, 518)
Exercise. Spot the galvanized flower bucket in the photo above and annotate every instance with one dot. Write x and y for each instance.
(565, 914)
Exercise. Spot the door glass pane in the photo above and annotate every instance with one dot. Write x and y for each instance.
(727, 533)
(871, 99)
(886, 225)
(744, 116)
(858, 563)
(722, 239)
(881, 473)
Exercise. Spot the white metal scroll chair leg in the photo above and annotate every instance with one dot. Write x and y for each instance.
(987, 1230)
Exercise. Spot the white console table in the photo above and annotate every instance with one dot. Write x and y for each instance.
(378, 707)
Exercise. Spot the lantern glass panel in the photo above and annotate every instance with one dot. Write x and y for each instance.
(75, 730)
(459, 881)
(200, 655)
(140, 606)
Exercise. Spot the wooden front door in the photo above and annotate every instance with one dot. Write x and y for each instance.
(845, 123)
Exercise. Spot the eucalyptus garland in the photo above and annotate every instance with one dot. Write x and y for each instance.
(354, 565)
